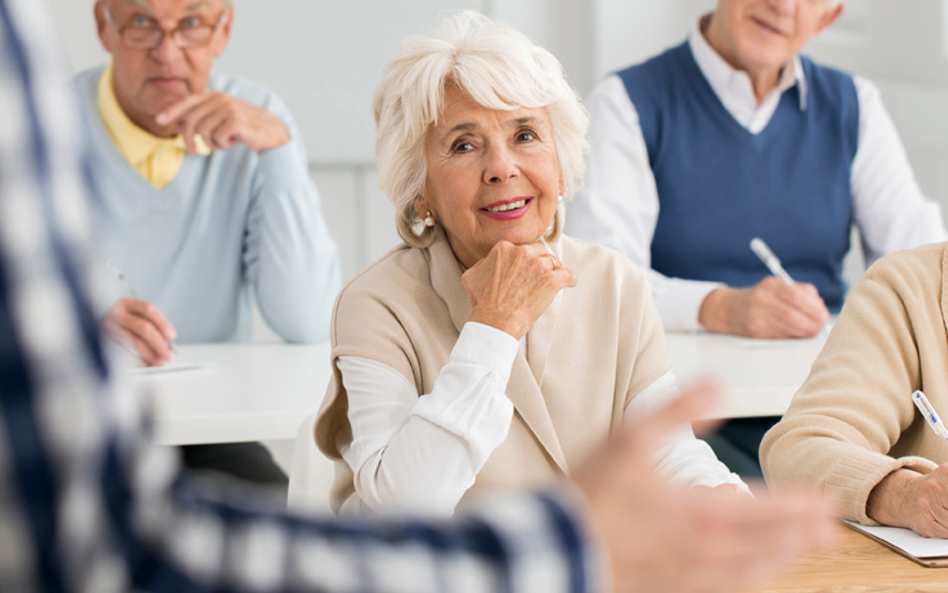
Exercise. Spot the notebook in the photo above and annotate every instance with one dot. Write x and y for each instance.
(927, 551)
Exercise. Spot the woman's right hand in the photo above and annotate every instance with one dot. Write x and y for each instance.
(511, 287)
(906, 498)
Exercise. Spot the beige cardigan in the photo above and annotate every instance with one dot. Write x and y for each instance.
(595, 347)
(853, 422)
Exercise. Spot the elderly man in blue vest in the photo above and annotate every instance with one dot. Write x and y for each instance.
(733, 135)
(203, 178)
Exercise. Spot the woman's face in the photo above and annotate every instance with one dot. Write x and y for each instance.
(492, 175)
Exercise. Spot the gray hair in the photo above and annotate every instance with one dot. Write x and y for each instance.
(499, 68)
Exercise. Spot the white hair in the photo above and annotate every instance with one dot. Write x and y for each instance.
(498, 68)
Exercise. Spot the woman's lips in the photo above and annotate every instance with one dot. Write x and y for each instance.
(508, 209)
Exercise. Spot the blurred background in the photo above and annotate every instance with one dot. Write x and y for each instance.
(325, 58)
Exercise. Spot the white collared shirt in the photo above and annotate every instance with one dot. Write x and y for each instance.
(618, 205)
(421, 452)
(735, 89)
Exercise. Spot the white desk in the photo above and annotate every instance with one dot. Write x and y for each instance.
(759, 377)
(253, 392)
(241, 392)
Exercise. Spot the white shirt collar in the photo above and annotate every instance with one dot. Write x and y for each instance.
(734, 87)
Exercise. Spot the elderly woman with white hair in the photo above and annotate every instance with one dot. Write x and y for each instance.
(488, 350)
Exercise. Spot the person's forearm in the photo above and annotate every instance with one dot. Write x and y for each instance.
(423, 452)
(713, 314)
(290, 256)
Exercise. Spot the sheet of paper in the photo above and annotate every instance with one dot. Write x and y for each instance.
(907, 540)
(761, 344)
(168, 368)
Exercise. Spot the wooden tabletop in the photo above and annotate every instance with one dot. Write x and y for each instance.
(857, 564)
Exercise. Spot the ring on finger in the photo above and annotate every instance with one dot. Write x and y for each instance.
(553, 260)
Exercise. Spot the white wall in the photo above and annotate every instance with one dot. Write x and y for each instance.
(325, 58)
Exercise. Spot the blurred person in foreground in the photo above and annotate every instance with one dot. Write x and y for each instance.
(88, 504)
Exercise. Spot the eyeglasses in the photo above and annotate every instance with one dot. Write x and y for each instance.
(143, 32)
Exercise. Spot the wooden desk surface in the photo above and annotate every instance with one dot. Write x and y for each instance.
(857, 564)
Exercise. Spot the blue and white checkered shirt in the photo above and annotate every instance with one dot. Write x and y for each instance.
(88, 504)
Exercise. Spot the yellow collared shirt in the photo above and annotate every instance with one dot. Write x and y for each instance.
(157, 160)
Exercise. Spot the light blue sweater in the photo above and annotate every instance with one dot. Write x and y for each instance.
(229, 223)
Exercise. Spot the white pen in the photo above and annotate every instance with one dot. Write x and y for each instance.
(931, 416)
(121, 278)
(770, 260)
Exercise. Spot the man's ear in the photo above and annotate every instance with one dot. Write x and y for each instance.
(101, 22)
(830, 17)
(224, 37)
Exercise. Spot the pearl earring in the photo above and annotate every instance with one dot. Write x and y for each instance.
(429, 221)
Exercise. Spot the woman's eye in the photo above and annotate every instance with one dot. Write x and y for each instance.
(190, 23)
(526, 136)
(462, 146)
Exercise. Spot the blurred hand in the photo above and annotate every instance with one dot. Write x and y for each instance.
(223, 121)
(769, 309)
(511, 287)
(140, 324)
(661, 537)
(906, 498)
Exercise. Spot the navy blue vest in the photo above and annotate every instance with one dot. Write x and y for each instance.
(720, 185)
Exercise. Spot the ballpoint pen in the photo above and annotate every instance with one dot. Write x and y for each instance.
(121, 278)
(770, 260)
(131, 292)
(931, 416)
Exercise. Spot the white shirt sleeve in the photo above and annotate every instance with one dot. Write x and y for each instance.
(421, 454)
(618, 205)
(888, 205)
(683, 459)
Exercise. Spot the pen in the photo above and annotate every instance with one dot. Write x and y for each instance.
(770, 260)
(931, 416)
(131, 292)
(121, 278)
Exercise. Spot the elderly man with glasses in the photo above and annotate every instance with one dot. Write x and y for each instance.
(205, 187)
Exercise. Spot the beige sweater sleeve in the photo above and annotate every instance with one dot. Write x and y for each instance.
(855, 405)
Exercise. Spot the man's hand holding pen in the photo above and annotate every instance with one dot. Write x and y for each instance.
(775, 307)
(142, 326)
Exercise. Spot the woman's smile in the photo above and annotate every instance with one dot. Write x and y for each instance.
(508, 209)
